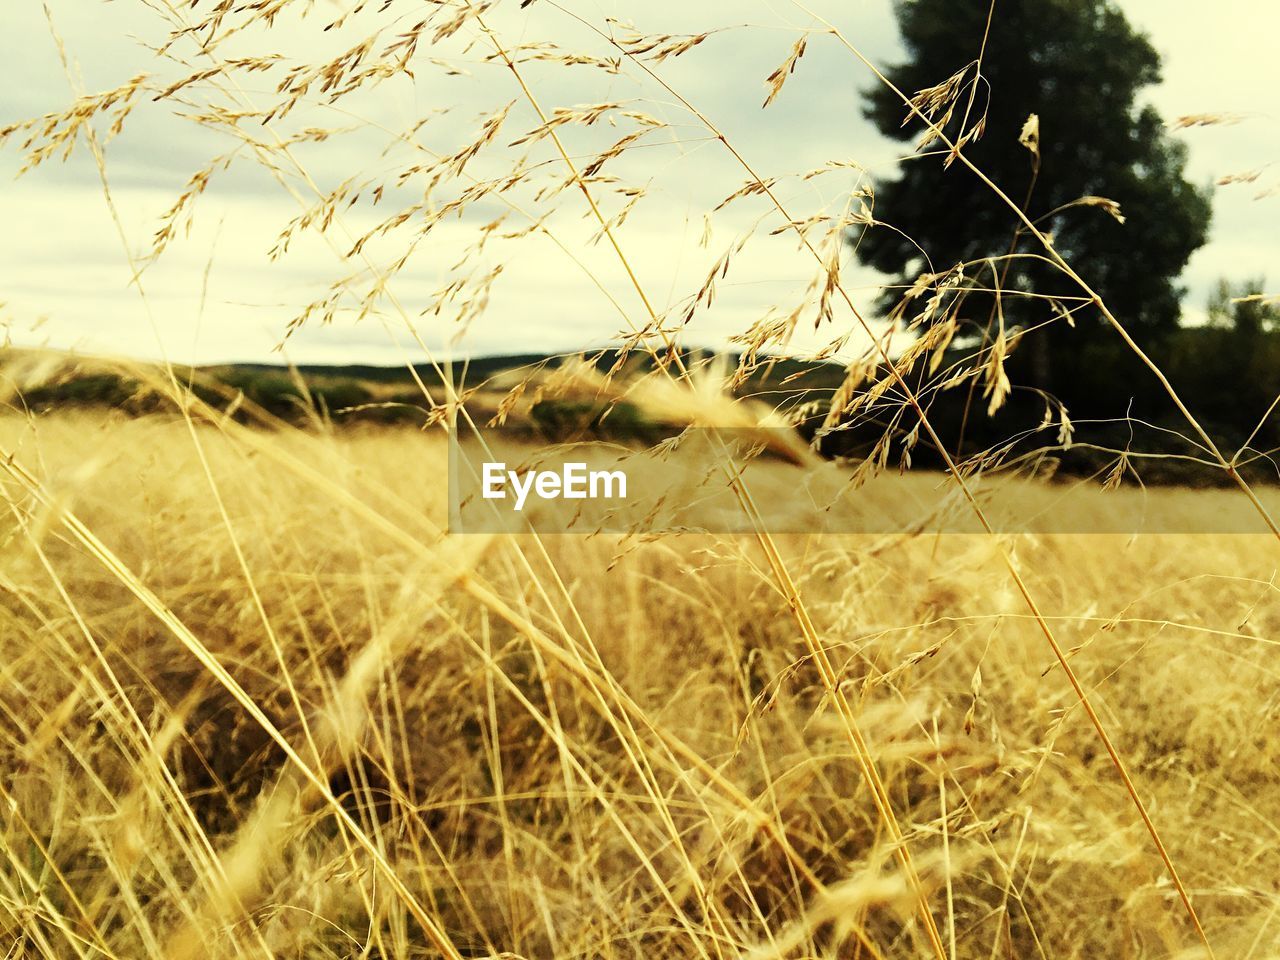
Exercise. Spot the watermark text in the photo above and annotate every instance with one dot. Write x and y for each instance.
(573, 481)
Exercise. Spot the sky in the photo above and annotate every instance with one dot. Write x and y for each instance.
(216, 294)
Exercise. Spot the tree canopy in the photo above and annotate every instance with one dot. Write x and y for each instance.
(1081, 68)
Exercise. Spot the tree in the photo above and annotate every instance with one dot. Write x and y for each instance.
(1244, 308)
(1080, 67)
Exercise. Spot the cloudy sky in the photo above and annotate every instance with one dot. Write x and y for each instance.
(216, 294)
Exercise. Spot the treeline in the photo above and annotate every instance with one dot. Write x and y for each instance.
(274, 391)
(1119, 421)
(1119, 417)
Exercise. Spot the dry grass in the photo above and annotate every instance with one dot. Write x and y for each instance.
(254, 702)
(638, 759)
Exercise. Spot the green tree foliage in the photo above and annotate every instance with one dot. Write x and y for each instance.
(1081, 68)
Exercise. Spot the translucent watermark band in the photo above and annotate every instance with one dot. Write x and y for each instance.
(738, 481)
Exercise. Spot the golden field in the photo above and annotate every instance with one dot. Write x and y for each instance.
(256, 703)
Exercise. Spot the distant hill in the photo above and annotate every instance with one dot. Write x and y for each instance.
(385, 394)
(772, 372)
(1121, 420)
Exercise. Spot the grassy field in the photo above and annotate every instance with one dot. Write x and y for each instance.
(256, 703)
(266, 707)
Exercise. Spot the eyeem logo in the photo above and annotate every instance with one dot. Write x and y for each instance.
(572, 482)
